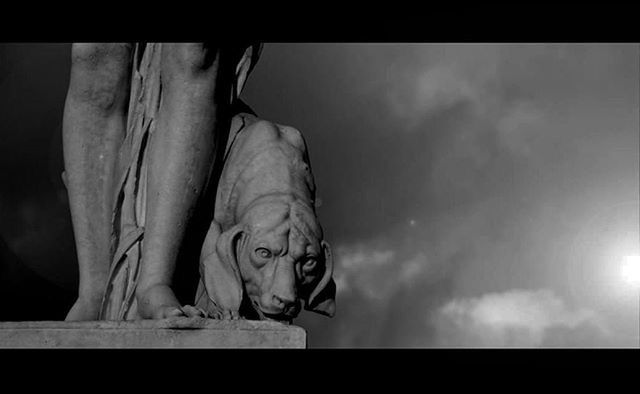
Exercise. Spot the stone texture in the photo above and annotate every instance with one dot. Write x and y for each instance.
(168, 333)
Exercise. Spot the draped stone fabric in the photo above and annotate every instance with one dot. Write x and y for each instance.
(129, 212)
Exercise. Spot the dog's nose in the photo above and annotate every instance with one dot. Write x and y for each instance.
(282, 302)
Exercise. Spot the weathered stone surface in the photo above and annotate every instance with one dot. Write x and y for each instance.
(167, 333)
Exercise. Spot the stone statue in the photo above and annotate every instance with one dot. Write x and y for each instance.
(145, 131)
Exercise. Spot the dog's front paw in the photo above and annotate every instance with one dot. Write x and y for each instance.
(214, 312)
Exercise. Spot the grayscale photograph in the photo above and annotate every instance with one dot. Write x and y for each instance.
(252, 194)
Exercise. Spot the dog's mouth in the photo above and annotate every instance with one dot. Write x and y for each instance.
(280, 317)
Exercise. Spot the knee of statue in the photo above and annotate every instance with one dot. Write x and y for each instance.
(99, 73)
(189, 59)
(100, 55)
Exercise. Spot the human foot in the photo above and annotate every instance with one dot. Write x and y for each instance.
(84, 309)
(159, 302)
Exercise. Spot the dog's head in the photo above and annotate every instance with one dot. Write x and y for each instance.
(276, 257)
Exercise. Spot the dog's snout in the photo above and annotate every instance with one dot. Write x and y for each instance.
(282, 292)
(279, 305)
(282, 302)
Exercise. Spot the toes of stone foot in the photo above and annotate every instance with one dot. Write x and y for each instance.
(191, 311)
(171, 312)
(217, 315)
(231, 315)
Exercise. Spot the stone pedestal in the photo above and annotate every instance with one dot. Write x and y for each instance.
(167, 333)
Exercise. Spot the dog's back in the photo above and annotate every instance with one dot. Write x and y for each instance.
(262, 159)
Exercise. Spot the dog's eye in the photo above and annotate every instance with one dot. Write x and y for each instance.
(309, 265)
(263, 253)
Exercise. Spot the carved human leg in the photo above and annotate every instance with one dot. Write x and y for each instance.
(196, 90)
(93, 126)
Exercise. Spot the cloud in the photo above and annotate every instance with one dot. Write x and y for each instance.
(357, 267)
(359, 257)
(376, 274)
(517, 127)
(435, 89)
(518, 318)
(493, 108)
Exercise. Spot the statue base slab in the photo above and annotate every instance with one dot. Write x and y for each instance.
(180, 332)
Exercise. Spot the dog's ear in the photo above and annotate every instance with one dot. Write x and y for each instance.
(219, 267)
(323, 297)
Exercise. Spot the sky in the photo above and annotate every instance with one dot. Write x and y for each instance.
(476, 195)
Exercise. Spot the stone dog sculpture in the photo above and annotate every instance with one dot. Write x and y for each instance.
(264, 253)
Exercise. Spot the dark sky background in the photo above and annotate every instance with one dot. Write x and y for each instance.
(474, 195)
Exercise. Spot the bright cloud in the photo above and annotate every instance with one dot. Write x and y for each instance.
(485, 80)
(435, 89)
(375, 273)
(518, 318)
